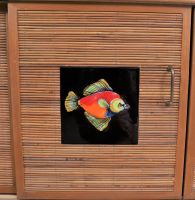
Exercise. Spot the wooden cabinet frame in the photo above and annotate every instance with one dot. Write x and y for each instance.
(15, 101)
(189, 181)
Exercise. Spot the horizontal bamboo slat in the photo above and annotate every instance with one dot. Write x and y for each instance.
(6, 174)
(51, 39)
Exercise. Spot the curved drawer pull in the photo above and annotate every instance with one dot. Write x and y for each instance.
(170, 69)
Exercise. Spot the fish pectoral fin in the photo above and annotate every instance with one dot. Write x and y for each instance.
(98, 86)
(103, 103)
(99, 124)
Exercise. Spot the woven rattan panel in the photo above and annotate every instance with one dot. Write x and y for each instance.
(50, 39)
(6, 175)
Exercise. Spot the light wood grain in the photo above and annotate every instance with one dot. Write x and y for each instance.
(82, 36)
(8, 197)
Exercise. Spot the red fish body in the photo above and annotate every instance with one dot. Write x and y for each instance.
(91, 105)
(100, 103)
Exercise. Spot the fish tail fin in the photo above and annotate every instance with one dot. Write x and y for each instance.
(71, 102)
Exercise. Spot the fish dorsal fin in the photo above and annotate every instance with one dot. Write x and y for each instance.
(98, 86)
(99, 124)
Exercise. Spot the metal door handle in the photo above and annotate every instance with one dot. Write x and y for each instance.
(170, 69)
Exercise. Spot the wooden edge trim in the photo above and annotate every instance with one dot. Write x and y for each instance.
(190, 157)
(15, 96)
(99, 7)
(145, 2)
(180, 152)
(97, 195)
(11, 138)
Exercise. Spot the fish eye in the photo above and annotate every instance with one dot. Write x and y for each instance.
(120, 105)
(117, 105)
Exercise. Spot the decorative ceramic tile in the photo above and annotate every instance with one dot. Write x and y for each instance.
(99, 105)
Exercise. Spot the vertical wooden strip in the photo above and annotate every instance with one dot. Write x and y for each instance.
(189, 189)
(7, 184)
(193, 187)
(15, 95)
(183, 99)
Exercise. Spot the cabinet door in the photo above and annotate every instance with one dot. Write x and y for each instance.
(45, 37)
(6, 160)
(189, 190)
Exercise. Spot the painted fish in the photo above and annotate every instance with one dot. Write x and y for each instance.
(99, 102)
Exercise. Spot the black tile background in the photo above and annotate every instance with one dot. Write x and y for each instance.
(123, 128)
